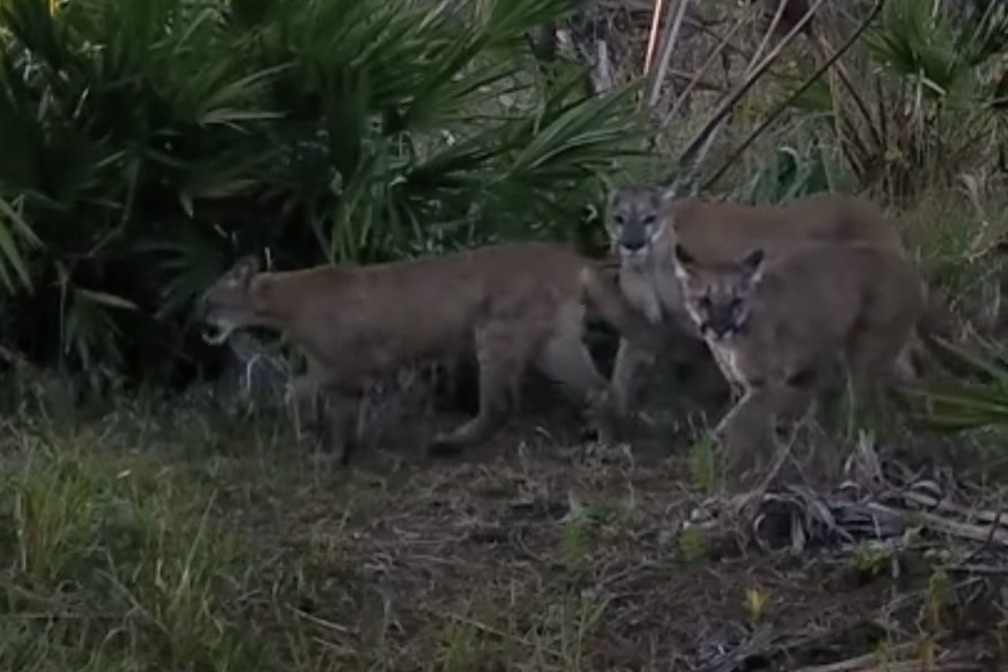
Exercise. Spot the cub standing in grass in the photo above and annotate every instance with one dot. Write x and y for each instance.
(776, 324)
(645, 224)
(518, 303)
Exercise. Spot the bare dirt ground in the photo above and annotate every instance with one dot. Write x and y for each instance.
(537, 552)
(528, 555)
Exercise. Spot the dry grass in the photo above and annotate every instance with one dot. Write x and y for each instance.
(179, 539)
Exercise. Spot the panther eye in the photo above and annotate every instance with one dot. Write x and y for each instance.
(648, 220)
(619, 220)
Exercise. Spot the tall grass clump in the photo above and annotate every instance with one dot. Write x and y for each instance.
(106, 565)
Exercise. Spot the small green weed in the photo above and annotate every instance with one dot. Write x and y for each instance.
(705, 465)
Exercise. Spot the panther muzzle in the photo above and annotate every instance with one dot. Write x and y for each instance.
(214, 330)
(721, 327)
(634, 249)
(216, 333)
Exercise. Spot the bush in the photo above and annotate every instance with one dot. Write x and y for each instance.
(147, 144)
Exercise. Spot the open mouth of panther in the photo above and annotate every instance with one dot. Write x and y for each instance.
(216, 333)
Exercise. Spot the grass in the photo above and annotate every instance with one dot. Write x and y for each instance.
(169, 536)
(126, 556)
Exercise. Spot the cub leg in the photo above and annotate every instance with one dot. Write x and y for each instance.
(323, 410)
(566, 360)
(630, 359)
(747, 430)
(747, 423)
(305, 391)
(340, 439)
(502, 352)
(879, 359)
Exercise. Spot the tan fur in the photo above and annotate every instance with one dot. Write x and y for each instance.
(520, 304)
(777, 324)
(646, 218)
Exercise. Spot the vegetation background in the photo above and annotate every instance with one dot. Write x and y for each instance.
(146, 145)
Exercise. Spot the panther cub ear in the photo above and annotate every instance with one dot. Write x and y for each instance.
(753, 263)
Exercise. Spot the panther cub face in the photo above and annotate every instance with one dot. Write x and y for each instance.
(717, 296)
(634, 222)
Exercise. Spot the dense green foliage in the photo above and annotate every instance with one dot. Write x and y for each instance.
(147, 144)
(925, 98)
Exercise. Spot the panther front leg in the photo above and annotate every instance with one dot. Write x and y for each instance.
(747, 432)
(502, 352)
(625, 381)
(325, 410)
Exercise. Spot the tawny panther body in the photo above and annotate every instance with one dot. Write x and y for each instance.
(778, 324)
(646, 225)
(518, 304)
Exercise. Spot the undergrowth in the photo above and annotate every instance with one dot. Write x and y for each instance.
(156, 533)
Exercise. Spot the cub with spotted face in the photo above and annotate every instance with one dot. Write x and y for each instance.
(520, 304)
(646, 223)
(776, 323)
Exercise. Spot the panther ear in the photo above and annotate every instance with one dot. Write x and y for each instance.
(679, 189)
(245, 268)
(753, 262)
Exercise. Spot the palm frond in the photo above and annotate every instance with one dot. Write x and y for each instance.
(147, 142)
(978, 400)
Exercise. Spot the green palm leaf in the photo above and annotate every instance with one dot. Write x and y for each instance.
(148, 142)
(15, 235)
(979, 400)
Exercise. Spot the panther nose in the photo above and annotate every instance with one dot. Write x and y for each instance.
(720, 326)
(633, 244)
(720, 330)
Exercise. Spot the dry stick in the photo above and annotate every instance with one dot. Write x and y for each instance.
(723, 42)
(781, 4)
(602, 72)
(819, 41)
(863, 662)
(985, 516)
(783, 453)
(987, 542)
(704, 137)
(321, 622)
(939, 524)
(883, 110)
(804, 87)
(871, 663)
(671, 37)
(652, 34)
